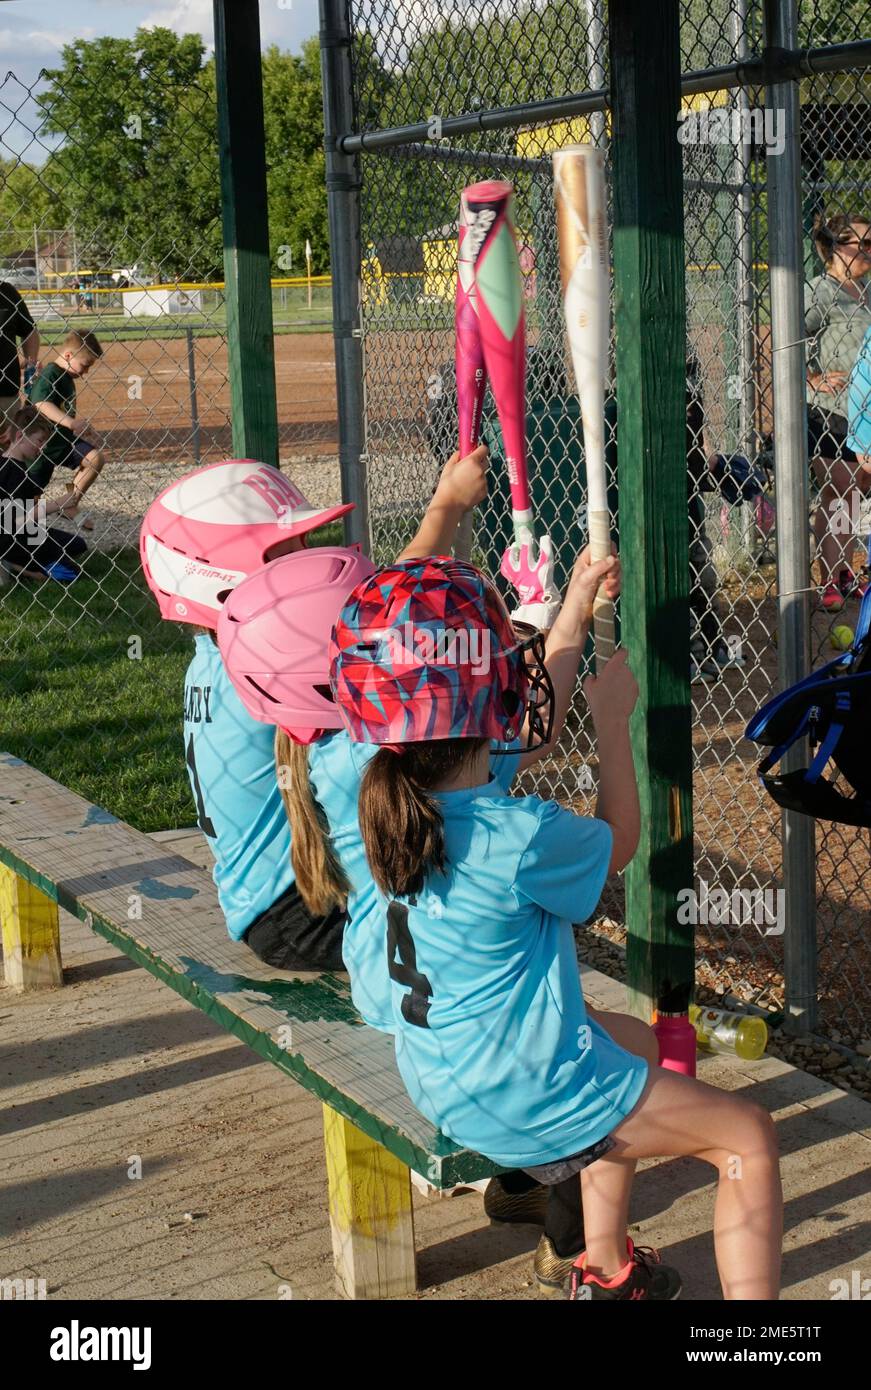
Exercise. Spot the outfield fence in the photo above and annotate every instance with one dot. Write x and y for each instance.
(437, 96)
(420, 101)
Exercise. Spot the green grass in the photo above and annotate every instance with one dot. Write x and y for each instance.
(292, 316)
(75, 705)
(116, 327)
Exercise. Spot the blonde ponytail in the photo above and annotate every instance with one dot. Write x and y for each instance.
(320, 878)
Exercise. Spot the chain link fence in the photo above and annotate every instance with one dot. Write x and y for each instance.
(110, 224)
(429, 63)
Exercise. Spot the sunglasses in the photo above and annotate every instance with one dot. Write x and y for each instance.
(863, 243)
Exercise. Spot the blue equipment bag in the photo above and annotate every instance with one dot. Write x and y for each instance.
(832, 708)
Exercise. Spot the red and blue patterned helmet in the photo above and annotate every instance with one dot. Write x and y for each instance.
(425, 649)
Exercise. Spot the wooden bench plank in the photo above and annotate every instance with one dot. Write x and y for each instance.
(101, 870)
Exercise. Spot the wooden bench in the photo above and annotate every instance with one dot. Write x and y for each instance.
(161, 911)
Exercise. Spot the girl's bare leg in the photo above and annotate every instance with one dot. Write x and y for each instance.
(678, 1115)
(628, 1032)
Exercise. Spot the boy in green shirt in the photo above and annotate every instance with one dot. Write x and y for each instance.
(53, 393)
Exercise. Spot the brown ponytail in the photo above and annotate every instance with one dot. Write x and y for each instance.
(319, 876)
(400, 818)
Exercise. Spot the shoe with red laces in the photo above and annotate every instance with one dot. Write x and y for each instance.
(644, 1276)
(832, 600)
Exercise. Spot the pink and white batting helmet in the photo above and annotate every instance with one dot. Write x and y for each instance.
(205, 533)
(274, 634)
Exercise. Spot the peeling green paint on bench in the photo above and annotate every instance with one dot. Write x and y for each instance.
(155, 890)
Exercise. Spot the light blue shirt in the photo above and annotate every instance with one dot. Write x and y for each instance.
(336, 767)
(859, 401)
(492, 1036)
(231, 765)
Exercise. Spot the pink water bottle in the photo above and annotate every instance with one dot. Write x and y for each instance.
(677, 1043)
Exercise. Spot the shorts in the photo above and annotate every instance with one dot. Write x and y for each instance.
(827, 436)
(551, 1174)
(288, 937)
(63, 449)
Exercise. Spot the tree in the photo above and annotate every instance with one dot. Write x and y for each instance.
(296, 177)
(27, 200)
(138, 166)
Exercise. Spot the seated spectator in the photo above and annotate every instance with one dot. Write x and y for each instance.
(27, 546)
(54, 394)
(15, 323)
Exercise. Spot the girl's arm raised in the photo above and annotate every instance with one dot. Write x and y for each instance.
(566, 640)
(461, 487)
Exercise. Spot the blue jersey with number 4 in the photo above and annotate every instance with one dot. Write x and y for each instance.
(231, 764)
(336, 766)
(492, 1036)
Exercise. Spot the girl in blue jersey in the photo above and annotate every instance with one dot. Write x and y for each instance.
(493, 1040)
(270, 631)
(275, 653)
(199, 539)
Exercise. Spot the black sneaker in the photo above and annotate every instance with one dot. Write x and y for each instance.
(644, 1276)
(521, 1208)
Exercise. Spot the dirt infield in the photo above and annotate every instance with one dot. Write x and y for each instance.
(138, 398)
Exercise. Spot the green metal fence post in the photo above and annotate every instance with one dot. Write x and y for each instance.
(343, 207)
(248, 291)
(651, 346)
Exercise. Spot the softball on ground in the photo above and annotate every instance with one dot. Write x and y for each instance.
(841, 638)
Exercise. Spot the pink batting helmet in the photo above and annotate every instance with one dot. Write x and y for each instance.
(274, 635)
(206, 532)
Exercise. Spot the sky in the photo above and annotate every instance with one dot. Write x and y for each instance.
(32, 33)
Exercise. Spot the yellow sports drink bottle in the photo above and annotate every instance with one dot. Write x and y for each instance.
(719, 1031)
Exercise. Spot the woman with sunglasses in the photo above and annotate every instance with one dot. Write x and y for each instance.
(837, 317)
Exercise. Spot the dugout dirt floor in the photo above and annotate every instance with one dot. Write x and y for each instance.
(231, 1203)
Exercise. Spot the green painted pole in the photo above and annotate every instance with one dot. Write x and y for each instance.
(651, 419)
(248, 291)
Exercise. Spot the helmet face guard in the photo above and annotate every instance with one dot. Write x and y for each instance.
(540, 698)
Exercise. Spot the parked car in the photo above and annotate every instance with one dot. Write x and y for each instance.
(22, 277)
